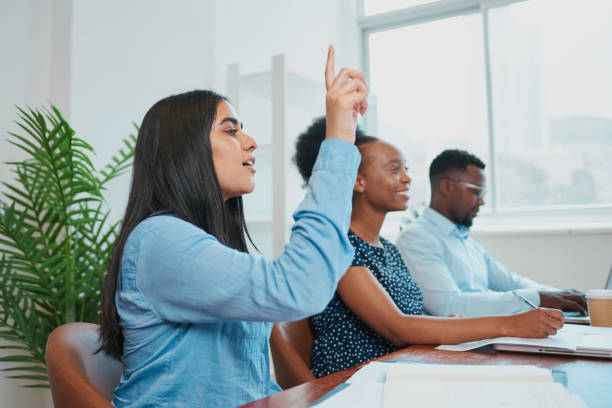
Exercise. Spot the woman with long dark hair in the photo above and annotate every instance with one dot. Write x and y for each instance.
(378, 306)
(185, 307)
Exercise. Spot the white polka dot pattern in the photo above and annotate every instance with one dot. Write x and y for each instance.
(342, 340)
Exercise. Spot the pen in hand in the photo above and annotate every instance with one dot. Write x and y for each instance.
(524, 299)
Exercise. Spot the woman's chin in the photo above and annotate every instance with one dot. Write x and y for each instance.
(398, 207)
(239, 193)
(250, 189)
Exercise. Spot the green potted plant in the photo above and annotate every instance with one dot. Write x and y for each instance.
(55, 237)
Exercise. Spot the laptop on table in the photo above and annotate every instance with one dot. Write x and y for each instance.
(576, 317)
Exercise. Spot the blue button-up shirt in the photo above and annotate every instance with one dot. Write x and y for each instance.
(457, 275)
(196, 314)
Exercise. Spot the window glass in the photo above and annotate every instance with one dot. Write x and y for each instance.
(551, 65)
(371, 7)
(428, 84)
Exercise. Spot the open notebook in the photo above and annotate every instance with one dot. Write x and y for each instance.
(576, 340)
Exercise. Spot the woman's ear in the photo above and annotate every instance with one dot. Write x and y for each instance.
(359, 184)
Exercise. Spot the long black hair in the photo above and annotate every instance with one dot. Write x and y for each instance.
(173, 172)
(307, 146)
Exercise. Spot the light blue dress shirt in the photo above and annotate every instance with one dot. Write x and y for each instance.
(196, 315)
(457, 275)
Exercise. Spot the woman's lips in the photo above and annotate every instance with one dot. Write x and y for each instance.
(404, 194)
(250, 162)
(250, 168)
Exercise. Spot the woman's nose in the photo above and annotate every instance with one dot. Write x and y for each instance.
(249, 144)
(406, 178)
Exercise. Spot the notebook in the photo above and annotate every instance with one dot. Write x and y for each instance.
(590, 342)
(572, 339)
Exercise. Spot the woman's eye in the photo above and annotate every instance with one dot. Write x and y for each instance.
(232, 132)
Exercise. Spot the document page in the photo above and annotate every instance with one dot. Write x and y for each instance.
(398, 394)
(467, 373)
(355, 396)
(376, 371)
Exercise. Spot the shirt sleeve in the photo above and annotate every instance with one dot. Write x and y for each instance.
(186, 275)
(423, 254)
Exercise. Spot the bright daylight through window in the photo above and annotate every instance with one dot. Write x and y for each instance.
(525, 85)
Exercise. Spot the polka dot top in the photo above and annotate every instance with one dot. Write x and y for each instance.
(342, 340)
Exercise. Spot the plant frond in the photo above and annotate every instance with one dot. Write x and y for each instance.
(55, 237)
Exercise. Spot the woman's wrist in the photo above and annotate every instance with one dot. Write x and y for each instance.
(335, 130)
(506, 325)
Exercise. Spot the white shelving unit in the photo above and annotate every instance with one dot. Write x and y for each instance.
(275, 106)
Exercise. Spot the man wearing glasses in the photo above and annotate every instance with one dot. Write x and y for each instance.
(457, 275)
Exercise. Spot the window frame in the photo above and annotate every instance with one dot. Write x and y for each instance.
(587, 217)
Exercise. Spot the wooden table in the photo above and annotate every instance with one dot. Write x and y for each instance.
(591, 378)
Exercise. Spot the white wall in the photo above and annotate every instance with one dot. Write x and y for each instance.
(126, 55)
(251, 32)
(579, 260)
(105, 63)
(27, 33)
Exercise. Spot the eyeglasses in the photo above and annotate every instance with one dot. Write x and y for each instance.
(482, 190)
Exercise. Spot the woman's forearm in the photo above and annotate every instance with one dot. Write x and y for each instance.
(448, 330)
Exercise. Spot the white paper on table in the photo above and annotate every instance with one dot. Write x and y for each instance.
(356, 396)
(567, 338)
(592, 337)
(402, 394)
(467, 373)
(375, 371)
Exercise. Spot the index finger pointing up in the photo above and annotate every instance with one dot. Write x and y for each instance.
(330, 67)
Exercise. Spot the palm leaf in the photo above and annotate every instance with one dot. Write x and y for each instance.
(55, 237)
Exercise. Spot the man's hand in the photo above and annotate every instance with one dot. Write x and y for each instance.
(569, 299)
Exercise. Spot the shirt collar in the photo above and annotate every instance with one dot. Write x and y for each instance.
(445, 225)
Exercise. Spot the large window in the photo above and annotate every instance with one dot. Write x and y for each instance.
(525, 85)
(551, 71)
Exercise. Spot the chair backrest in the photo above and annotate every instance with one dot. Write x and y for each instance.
(291, 346)
(78, 376)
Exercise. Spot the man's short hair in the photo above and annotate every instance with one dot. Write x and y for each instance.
(452, 159)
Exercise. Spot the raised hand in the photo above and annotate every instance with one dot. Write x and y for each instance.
(535, 323)
(347, 96)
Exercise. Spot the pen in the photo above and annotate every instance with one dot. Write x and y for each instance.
(524, 299)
